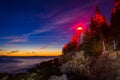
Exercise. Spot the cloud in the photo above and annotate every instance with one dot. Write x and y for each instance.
(50, 45)
(38, 31)
(8, 51)
(11, 52)
(59, 21)
(46, 15)
(10, 45)
(33, 53)
(14, 51)
(15, 39)
(2, 50)
(63, 17)
(46, 52)
(43, 47)
(17, 53)
(19, 40)
(54, 43)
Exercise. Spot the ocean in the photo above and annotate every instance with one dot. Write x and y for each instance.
(20, 64)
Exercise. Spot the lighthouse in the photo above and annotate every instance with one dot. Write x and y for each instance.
(78, 35)
(79, 32)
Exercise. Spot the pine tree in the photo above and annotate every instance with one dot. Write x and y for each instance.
(99, 25)
(87, 43)
(71, 46)
(115, 23)
(98, 32)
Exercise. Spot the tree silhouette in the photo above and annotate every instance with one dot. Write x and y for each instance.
(115, 23)
(97, 33)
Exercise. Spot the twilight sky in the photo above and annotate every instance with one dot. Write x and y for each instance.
(42, 27)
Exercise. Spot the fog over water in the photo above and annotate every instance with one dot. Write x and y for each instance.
(19, 64)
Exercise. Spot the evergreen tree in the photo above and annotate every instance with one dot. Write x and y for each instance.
(71, 46)
(115, 23)
(87, 43)
(98, 32)
(99, 25)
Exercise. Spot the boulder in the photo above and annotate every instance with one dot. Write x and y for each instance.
(63, 77)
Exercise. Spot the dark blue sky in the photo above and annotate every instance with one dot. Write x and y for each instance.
(40, 24)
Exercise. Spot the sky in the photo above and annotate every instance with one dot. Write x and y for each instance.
(42, 27)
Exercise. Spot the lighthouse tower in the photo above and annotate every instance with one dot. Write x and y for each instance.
(78, 35)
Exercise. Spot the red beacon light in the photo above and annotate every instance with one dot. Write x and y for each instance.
(80, 28)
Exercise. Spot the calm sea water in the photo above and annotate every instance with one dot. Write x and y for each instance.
(17, 64)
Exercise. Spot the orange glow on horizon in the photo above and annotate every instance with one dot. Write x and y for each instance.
(31, 53)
